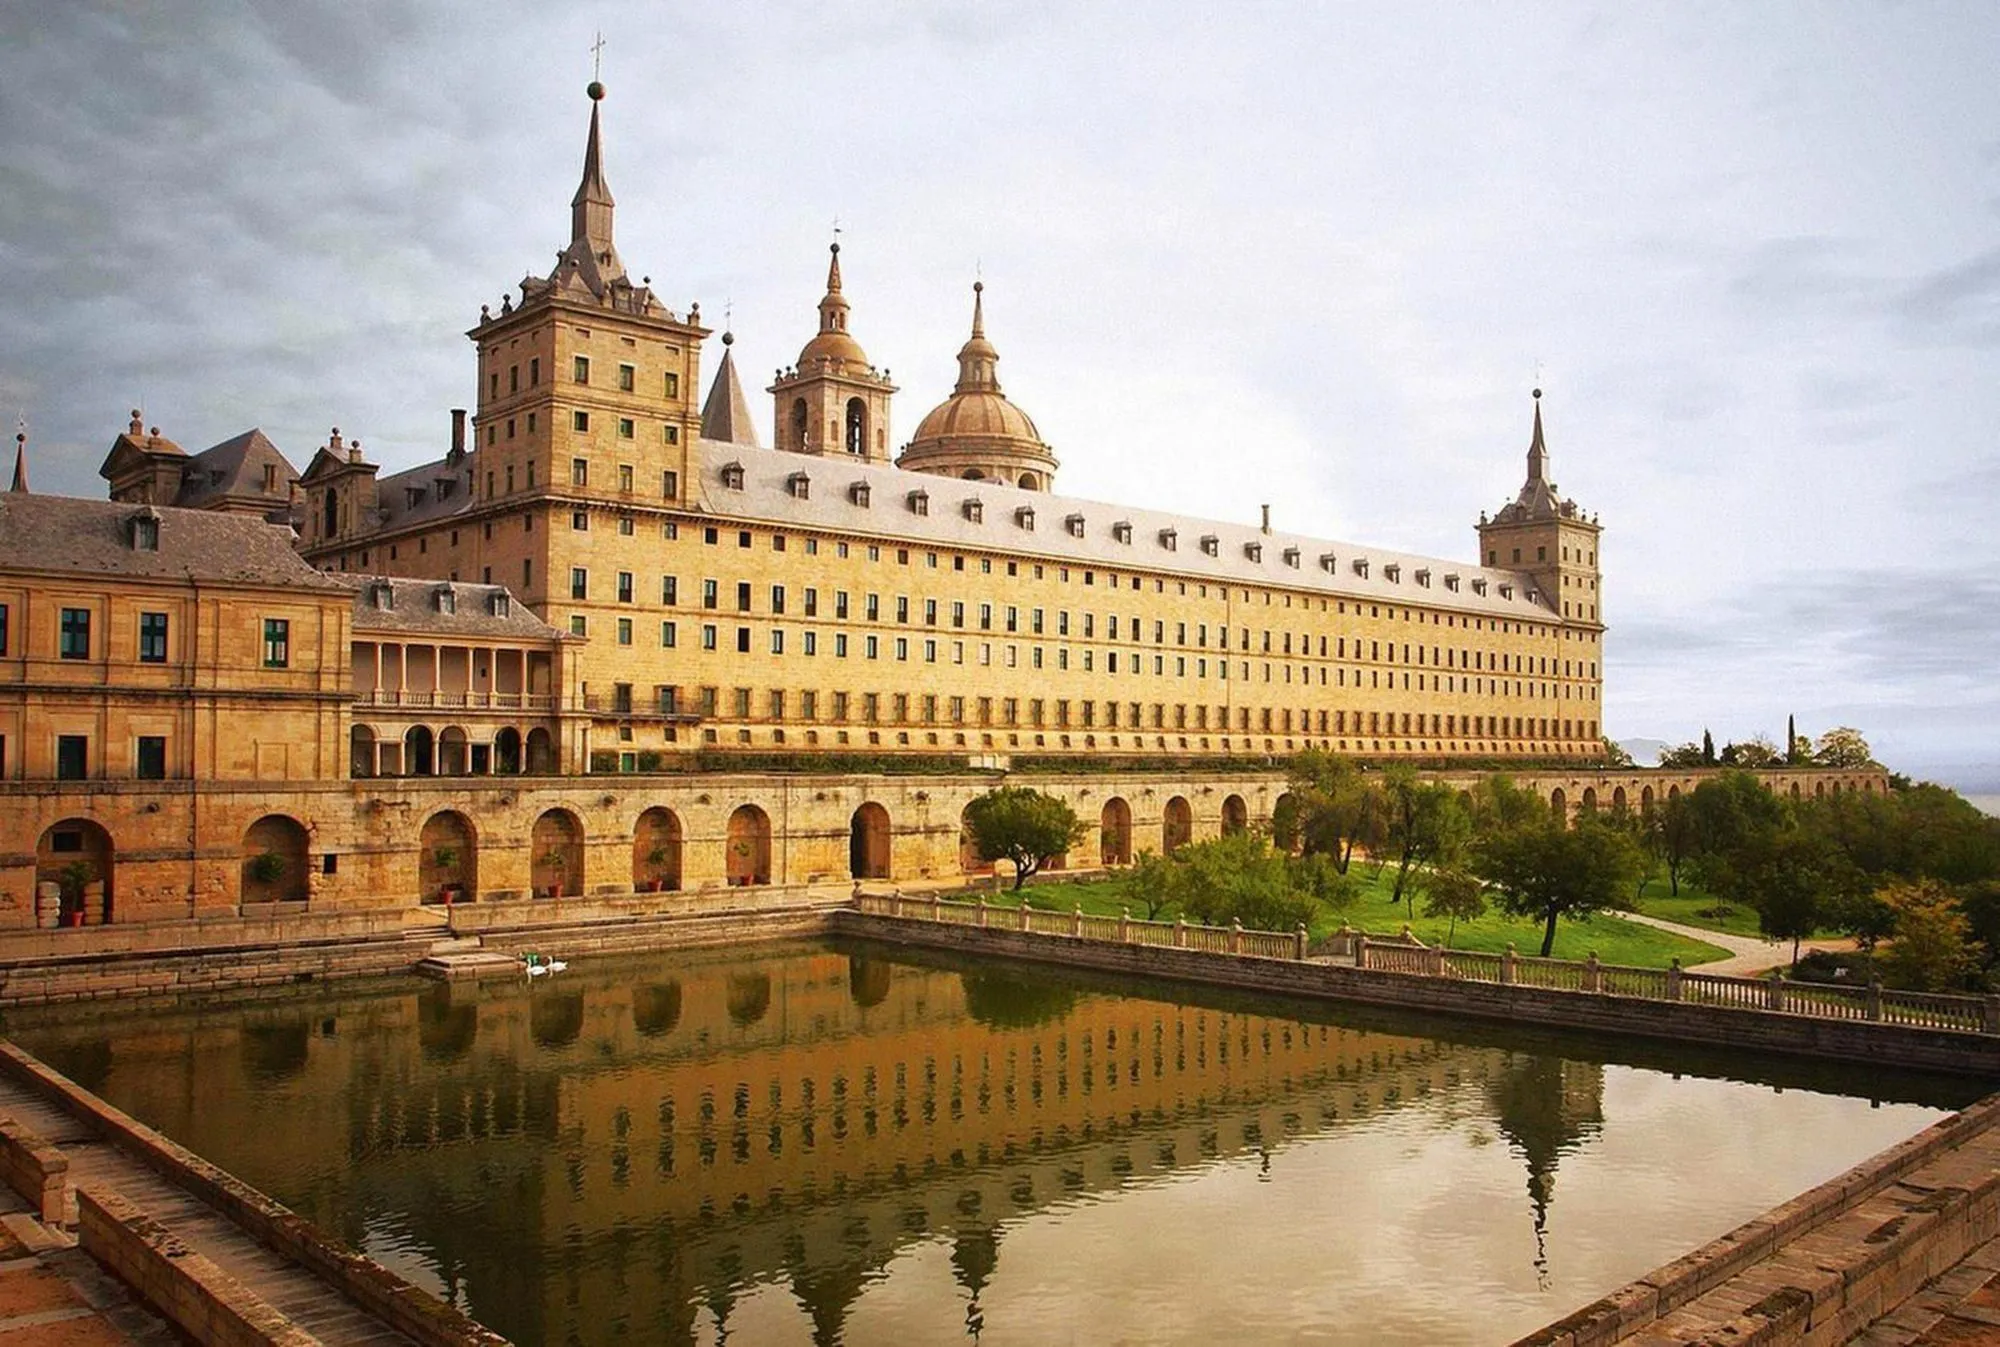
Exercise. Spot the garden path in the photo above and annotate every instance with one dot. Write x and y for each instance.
(1749, 955)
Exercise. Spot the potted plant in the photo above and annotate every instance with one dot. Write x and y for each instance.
(266, 867)
(73, 877)
(552, 861)
(656, 858)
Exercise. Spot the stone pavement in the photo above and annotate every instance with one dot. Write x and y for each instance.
(1958, 1309)
(1749, 955)
(53, 1294)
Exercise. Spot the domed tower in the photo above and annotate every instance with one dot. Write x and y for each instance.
(833, 400)
(977, 433)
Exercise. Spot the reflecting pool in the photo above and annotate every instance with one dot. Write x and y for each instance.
(841, 1143)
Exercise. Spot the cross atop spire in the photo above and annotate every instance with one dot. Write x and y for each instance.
(597, 58)
(1538, 452)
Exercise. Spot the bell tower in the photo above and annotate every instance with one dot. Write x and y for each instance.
(1548, 539)
(833, 401)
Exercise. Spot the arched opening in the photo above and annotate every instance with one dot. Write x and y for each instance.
(748, 996)
(361, 751)
(1286, 833)
(417, 751)
(656, 1008)
(507, 751)
(275, 861)
(1645, 802)
(558, 854)
(868, 842)
(448, 863)
(748, 858)
(656, 852)
(329, 515)
(973, 475)
(453, 755)
(1176, 827)
(1235, 815)
(555, 1018)
(541, 752)
(1559, 805)
(1796, 792)
(969, 859)
(857, 427)
(74, 874)
(1819, 790)
(1673, 792)
(801, 422)
(1028, 483)
(1619, 805)
(1589, 804)
(1115, 832)
(868, 980)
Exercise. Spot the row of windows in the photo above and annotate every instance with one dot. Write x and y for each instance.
(627, 377)
(149, 757)
(73, 632)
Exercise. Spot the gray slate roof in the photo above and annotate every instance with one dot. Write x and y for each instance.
(69, 535)
(414, 609)
(236, 468)
(767, 496)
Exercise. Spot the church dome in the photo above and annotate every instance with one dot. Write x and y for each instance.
(977, 432)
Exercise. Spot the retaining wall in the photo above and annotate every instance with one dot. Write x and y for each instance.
(34, 1169)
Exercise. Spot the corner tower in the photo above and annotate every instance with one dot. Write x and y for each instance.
(1548, 539)
(833, 401)
(976, 433)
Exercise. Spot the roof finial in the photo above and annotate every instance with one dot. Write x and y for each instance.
(978, 308)
(1538, 452)
(20, 456)
(833, 267)
(590, 208)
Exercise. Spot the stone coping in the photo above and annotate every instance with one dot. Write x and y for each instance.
(217, 933)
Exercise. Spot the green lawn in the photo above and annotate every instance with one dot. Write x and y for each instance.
(1695, 907)
(1613, 940)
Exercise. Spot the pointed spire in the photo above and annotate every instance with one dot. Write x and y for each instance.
(591, 207)
(978, 361)
(20, 485)
(725, 416)
(1538, 452)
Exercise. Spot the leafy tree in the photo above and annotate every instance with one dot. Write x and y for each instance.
(1932, 949)
(1683, 755)
(1733, 814)
(1499, 805)
(1707, 747)
(1457, 895)
(1022, 825)
(1673, 835)
(1147, 885)
(1240, 877)
(1843, 746)
(1615, 754)
(1333, 808)
(1794, 880)
(1543, 870)
(1756, 751)
(1426, 828)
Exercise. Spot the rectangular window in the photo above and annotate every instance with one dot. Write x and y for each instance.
(743, 640)
(710, 589)
(579, 583)
(812, 602)
(580, 422)
(625, 429)
(579, 625)
(579, 521)
(778, 599)
(670, 484)
(277, 643)
(625, 375)
(812, 643)
(72, 757)
(669, 636)
(624, 586)
(579, 471)
(580, 371)
(3, 628)
(708, 636)
(75, 633)
(840, 604)
(808, 705)
(625, 477)
(777, 641)
(149, 758)
(152, 638)
(742, 596)
(624, 631)
(673, 385)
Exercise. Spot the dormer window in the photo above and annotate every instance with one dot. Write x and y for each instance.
(146, 532)
(920, 502)
(1506, 591)
(857, 494)
(1025, 517)
(799, 486)
(1393, 573)
(384, 596)
(499, 605)
(444, 486)
(1361, 567)
(413, 496)
(732, 476)
(1291, 555)
(1329, 563)
(446, 599)
(1451, 581)
(1122, 531)
(1479, 587)
(1170, 539)
(975, 510)
(1073, 524)
(1211, 544)
(1254, 551)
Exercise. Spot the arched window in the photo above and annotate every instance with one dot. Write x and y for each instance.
(331, 515)
(857, 427)
(799, 423)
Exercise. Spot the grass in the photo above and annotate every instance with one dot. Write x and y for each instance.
(1612, 939)
(1694, 906)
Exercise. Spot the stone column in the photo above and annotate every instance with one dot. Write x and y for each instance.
(1509, 964)
(1674, 976)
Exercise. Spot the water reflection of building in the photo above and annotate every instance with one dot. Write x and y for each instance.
(667, 1135)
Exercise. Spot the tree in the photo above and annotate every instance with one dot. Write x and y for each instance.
(1931, 951)
(1707, 747)
(1457, 895)
(1240, 877)
(1683, 755)
(1793, 880)
(1333, 808)
(1792, 740)
(1147, 885)
(1843, 746)
(1673, 835)
(1540, 869)
(1426, 827)
(1732, 814)
(1756, 751)
(1022, 825)
(1615, 754)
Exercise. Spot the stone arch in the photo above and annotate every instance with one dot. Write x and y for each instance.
(448, 859)
(1236, 814)
(1176, 826)
(78, 857)
(868, 842)
(1673, 792)
(857, 427)
(361, 751)
(454, 752)
(1646, 801)
(1115, 832)
(507, 755)
(1559, 805)
(1619, 804)
(1819, 790)
(1796, 792)
(969, 859)
(748, 858)
(973, 475)
(556, 858)
(541, 752)
(801, 423)
(1588, 805)
(656, 850)
(1028, 482)
(275, 860)
(418, 757)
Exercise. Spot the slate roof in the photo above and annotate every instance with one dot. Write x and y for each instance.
(235, 468)
(429, 491)
(73, 536)
(414, 609)
(767, 496)
(725, 417)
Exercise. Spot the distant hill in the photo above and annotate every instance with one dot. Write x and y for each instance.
(1645, 752)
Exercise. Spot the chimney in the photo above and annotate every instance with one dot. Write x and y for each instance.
(457, 432)
(1267, 519)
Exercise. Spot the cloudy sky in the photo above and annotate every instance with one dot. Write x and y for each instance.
(1314, 255)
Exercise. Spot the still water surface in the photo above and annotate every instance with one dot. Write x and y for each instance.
(820, 1143)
